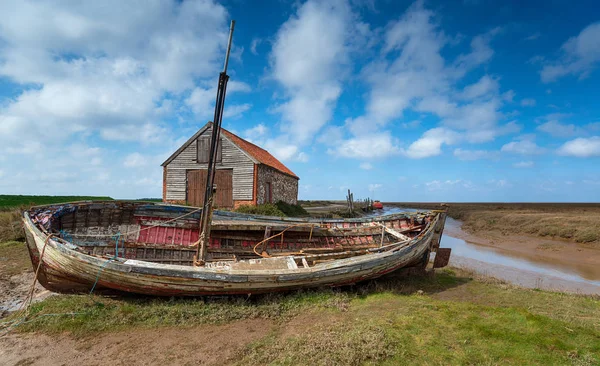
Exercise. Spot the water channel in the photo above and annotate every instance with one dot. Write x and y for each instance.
(513, 267)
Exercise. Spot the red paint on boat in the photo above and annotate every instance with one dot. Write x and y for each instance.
(377, 205)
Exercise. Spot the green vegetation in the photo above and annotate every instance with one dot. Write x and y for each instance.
(268, 209)
(14, 201)
(291, 210)
(451, 318)
(279, 209)
(316, 203)
(150, 199)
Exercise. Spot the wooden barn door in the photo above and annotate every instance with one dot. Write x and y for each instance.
(196, 183)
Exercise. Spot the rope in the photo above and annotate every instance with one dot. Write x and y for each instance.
(276, 235)
(105, 263)
(23, 311)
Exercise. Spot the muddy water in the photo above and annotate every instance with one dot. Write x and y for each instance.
(528, 271)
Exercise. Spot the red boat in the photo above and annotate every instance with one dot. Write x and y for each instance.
(377, 205)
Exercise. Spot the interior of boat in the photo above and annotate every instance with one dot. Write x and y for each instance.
(169, 234)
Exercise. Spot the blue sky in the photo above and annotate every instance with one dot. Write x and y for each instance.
(396, 100)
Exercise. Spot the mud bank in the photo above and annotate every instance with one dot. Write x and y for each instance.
(526, 261)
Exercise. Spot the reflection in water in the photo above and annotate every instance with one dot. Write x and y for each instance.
(511, 266)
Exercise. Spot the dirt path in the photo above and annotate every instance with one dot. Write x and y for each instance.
(204, 345)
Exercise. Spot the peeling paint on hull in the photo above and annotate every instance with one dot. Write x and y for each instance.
(65, 269)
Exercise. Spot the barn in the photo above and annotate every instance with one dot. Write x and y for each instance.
(245, 173)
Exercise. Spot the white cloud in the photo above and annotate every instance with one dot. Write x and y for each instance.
(523, 164)
(366, 166)
(580, 55)
(332, 135)
(374, 187)
(528, 102)
(255, 43)
(412, 74)
(148, 133)
(474, 154)
(98, 66)
(484, 87)
(430, 144)
(500, 183)
(310, 51)
(256, 133)
(135, 160)
(285, 150)
(436, 185)
(558, 129)
(523, 147)
(236, 110)
(377, 145)
(534, 36)
(202, 98)
(581, 147)
(94, 71)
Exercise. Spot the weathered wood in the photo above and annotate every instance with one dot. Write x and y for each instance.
(66, 267)
(232, 157)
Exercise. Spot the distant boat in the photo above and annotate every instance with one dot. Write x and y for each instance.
(377, 205)
(149, 248)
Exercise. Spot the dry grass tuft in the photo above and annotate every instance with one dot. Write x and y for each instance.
(10, 226)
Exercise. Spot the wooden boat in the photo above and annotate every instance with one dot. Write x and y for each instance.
(148, 248)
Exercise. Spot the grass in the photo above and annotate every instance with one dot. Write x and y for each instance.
(291, 210)
(14, 258)
(451, 318)
(267, 209)
(10, 226)
(570, 221)
(15, 201)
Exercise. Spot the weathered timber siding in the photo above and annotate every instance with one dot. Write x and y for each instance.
(284, 187)
(233, 158)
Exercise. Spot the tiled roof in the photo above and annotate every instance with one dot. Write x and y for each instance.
(261, 155)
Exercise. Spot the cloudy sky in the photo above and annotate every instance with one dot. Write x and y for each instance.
(430, 100)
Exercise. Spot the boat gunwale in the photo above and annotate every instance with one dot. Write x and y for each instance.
(175, 270)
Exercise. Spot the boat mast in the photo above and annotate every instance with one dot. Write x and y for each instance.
(206, 217)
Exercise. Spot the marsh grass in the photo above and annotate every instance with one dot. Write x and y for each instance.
(10, 226)
(14, 258)
(576, 222)
(453, 317)
(15, 201)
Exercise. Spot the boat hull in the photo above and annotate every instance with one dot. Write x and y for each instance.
(65, 269)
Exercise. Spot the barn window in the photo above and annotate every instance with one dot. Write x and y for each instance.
(204, 150)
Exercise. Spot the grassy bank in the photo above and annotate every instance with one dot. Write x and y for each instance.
(452, 318)
(15, 201)
(577, 222)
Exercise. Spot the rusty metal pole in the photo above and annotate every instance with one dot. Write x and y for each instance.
(206, 218)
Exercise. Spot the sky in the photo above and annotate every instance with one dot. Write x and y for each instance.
(448, 101)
